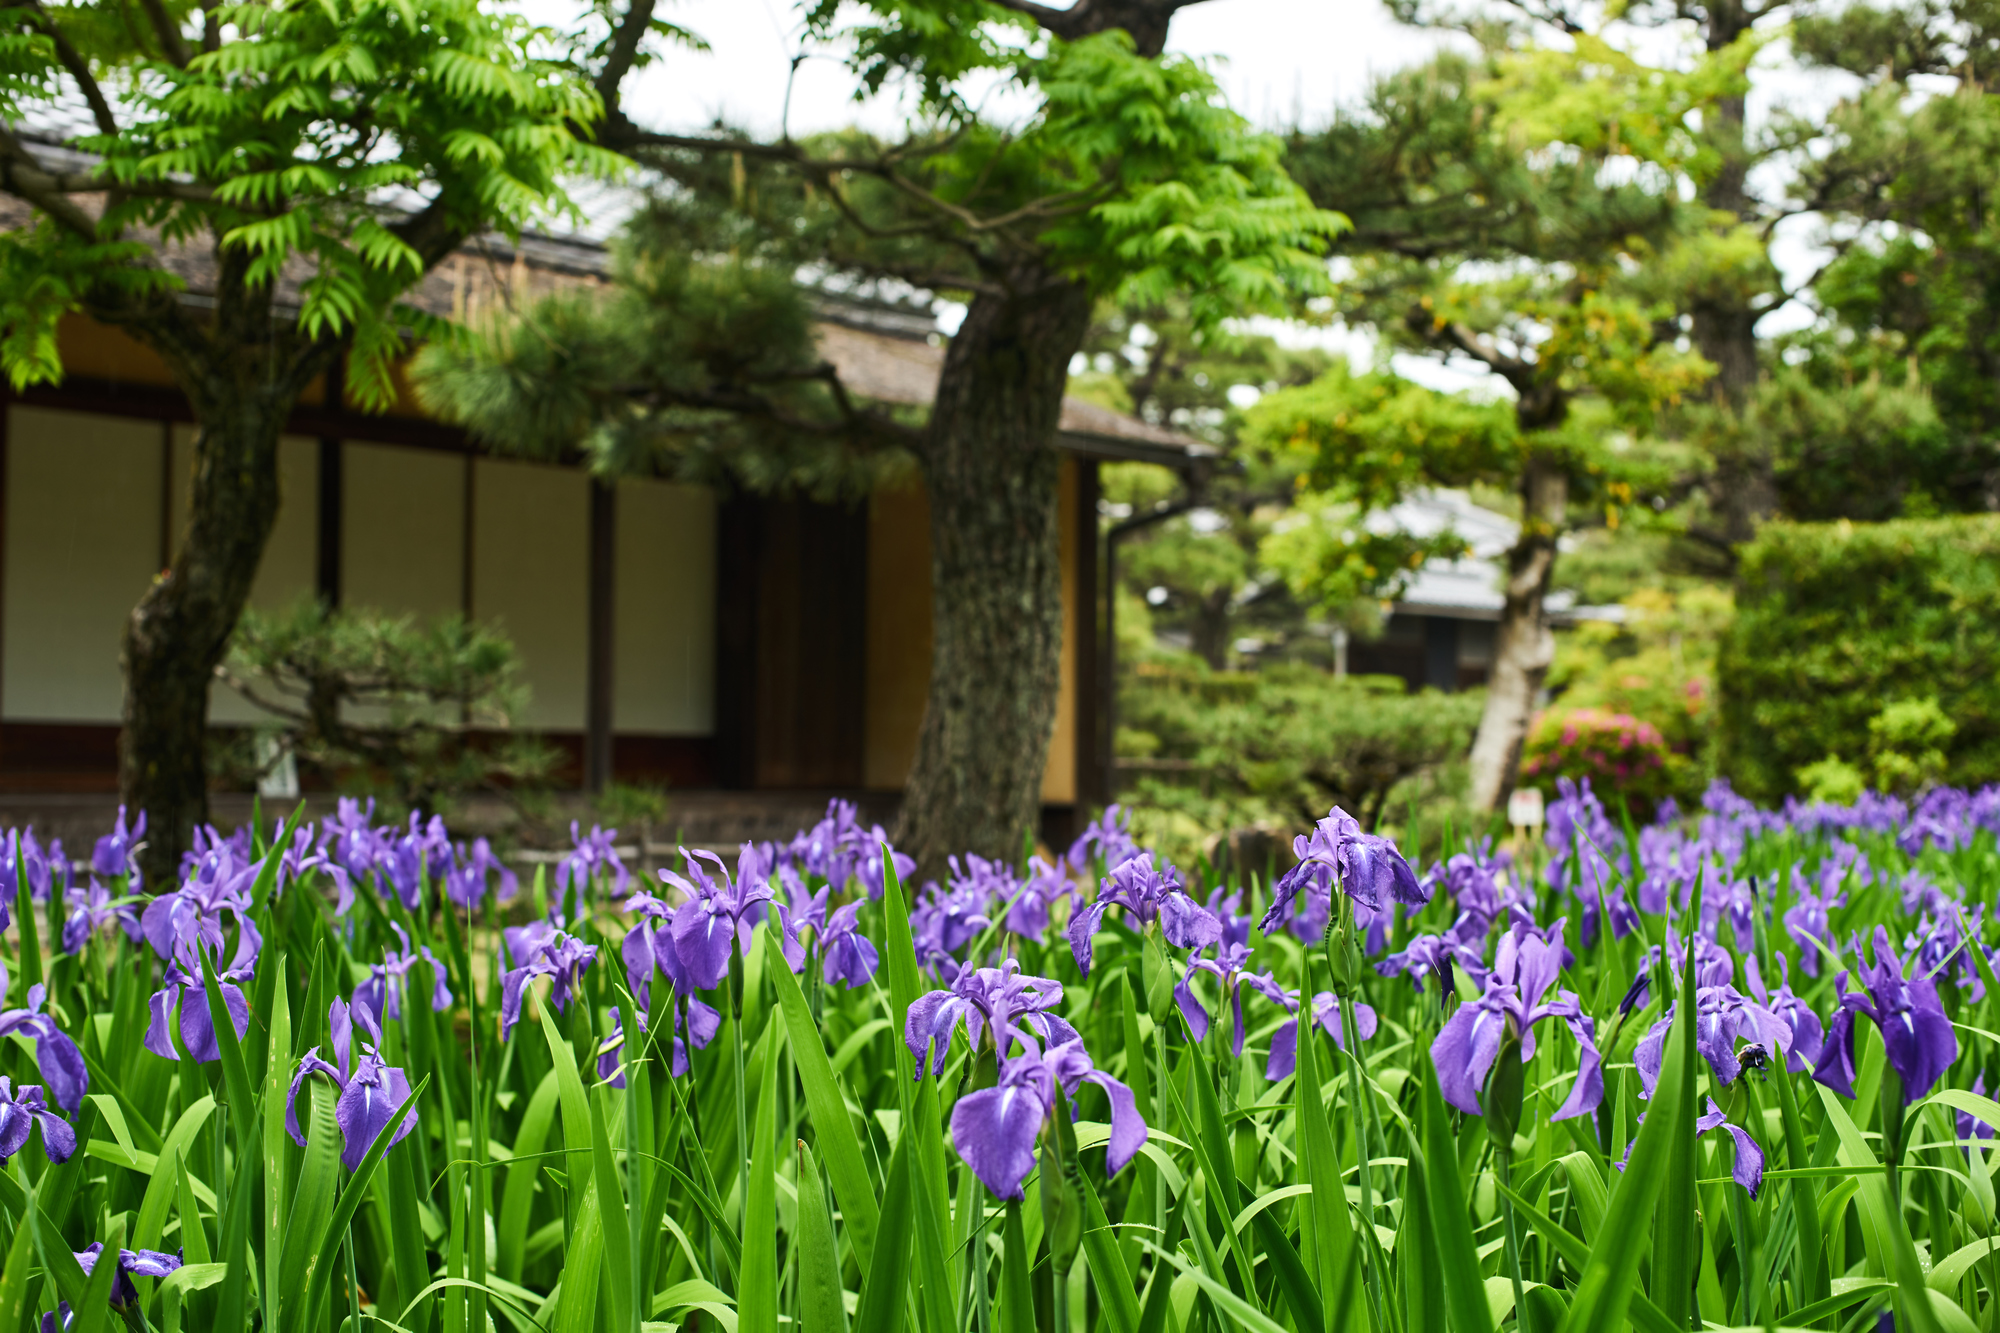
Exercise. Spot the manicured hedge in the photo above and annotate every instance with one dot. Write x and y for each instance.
(1836, 620)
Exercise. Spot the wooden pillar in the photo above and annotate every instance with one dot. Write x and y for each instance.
(597, 735)
(327, 581)
(332, 490)
(1085, 627)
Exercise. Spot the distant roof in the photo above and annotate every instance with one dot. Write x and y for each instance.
(1467, 588)
(891, 352)
(898, 369)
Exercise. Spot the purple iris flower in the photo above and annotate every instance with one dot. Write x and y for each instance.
(23, 851)
(1326, 1016)
(1109, 839)
(1368, 869)
(1001, 1000)
(423, 851)
(593, 854)
(1923, 897)
(117, 852)
(1028, 901)
(995, 1128)
(1229, 967)
(90, 910)
(611, 1052)
(1222, 905)
(1915, 1032)
(1667, 862)
(1469, 881)
(370, 1092)
(1147, 894)
(184, 985)
(944, 922)
(1525, 968)
(650, 944)
(1712, 967)
(1724, 1021)
(20, 1111)
(208, 843)
(142, 1263)
(381, 995)
(1435, 956)
(220, 883)
(350, 838)
(868, 869)
(1943, 947)
(1588, 856)
(845, 954)
(471, 874)
(717, 913)
(1749, 1165)
(1806, 922)
(545, 953)
(1808, 1035)
(831, 848)
(56, 1055)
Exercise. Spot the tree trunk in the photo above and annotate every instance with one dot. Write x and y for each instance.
(1524, 647)
(1744, 491)
(996, 582)
(1210, 639)
(179, 631)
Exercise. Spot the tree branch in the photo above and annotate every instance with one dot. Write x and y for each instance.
(79, 69)
(857, 424)
(624, 51)
(23, 177)
(171, 41)
(1145, 20)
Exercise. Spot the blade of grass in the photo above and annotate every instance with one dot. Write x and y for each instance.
(1017, 1294)
(821, 1309)
(517, 1199)
(883, 1291)
(1333, 1241)
(582, 1114)
(312, 1202)
(1610, 1274)
(1883, 1229)
(1451, 1226)
(757, 1294)
(834, 1130)
(407, 1251)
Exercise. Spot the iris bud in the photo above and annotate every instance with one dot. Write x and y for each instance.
(1504, 1094)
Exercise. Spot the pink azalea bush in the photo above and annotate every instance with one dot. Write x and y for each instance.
(1618, 752)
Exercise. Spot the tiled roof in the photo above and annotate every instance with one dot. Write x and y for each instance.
(891, 354)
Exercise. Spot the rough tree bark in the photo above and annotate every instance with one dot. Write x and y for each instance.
(996, 584)
(177, 634)
(1525, 646)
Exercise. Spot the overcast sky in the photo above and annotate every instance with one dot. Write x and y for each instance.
(1275, 58)
(1281, 62)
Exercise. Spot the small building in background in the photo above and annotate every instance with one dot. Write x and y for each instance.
(1440, 632)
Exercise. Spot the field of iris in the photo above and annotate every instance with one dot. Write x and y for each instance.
(321, 1083)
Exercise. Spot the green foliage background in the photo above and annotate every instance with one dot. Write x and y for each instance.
(1836, 620)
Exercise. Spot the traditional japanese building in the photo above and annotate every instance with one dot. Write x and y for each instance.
(669, 634)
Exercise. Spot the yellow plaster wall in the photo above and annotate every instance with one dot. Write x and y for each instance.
(899, 639)
(82, 545)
